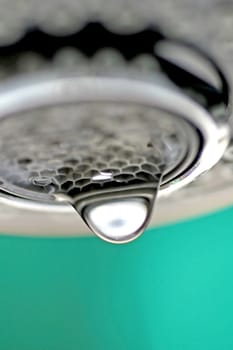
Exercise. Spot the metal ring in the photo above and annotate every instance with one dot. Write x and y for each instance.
(25, 95)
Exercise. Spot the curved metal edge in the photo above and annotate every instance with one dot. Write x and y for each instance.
(26, 94)
(24, 222)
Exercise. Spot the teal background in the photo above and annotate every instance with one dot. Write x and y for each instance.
(171, 289)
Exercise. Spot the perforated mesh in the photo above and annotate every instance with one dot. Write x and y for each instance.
(76, 149)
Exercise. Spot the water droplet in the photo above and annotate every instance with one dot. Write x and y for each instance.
(119, 220)
(115, 201)
(118, 213)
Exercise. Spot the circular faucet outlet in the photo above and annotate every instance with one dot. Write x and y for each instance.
(108, 142)
(88, 145)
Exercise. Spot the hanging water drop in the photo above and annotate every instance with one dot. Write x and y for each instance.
(118, 220)
(121, 212)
